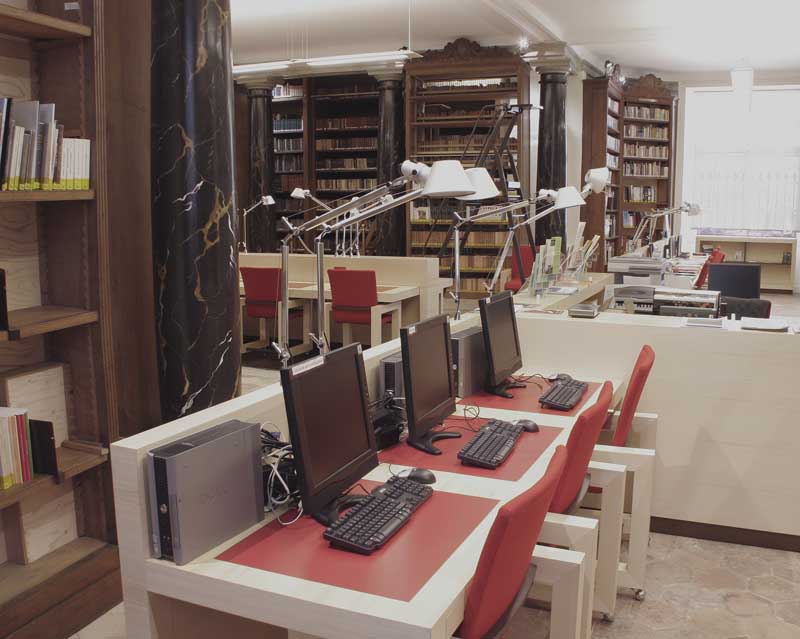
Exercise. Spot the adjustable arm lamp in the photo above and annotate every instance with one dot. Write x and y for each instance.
(305, 194)
(266, 200)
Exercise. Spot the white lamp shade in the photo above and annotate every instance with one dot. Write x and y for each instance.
(693, 209)
(267, 200)
(416, 170)
(299, 194)
(548, 195)
(482, 182)
(447, 179)
(568, 197)
(598, 179)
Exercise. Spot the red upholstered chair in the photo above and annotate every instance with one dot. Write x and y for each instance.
(262, 300)
(582, 439)
(716, 257)
(504, 574)
(527, 255)
(641, 371)
(354, 295)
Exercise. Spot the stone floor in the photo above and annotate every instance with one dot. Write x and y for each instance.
(695, 590)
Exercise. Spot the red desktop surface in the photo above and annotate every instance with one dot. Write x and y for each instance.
(397, 571)
(528, 449)
(527, 399)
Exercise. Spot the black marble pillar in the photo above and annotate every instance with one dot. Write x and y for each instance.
(551, 170)
(390, 228)
(261, 227)
(194, 209)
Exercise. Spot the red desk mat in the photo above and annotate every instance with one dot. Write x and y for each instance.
(397, 571)
(527, 399)
(528, 449)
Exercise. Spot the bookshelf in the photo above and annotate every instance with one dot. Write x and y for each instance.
(447, 93)
(79, 287)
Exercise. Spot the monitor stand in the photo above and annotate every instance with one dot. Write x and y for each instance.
(425, 443)
(501, 390)
(333, 510)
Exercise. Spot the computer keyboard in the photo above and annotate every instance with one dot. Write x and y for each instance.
(563, 395)
(490, 446)
(371, 523)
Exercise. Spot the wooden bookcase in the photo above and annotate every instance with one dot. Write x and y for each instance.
(79, 285)
(445, 92)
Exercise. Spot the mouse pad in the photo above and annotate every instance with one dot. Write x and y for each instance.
(527, 399)
(397, 571)
(526, 452)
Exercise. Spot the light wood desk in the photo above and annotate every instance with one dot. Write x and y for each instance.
(592, 288)
(157, 592)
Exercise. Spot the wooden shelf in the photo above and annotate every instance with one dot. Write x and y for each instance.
(644, 177)
(647, 120)
(358, 149)
(367, 170)
(8, 197)
(635, 157)
(39, 26)
(18, 492)
(466, 96)
(628, 137)
(40, 320)
(354, 129)
(300, 152)
(364, 95)
(453, 123)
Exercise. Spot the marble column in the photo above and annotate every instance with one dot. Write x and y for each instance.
(193, 205)
(390, 228)
(551, 170)
(261, 226)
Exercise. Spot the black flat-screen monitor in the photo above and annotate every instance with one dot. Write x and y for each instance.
(501, 339)
(428, 378)
(331, 432)
(733, 279)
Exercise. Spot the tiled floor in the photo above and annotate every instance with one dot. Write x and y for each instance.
(695, 590)
(783, 304)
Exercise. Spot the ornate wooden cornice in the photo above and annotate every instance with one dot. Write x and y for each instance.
(461, 51)
(649, 85)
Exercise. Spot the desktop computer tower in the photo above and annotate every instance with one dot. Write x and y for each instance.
(391, 375)
(205, 489)
(469, 361)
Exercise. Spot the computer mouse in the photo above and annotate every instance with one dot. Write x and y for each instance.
(561, 377)
(528, 425)
(422, 476)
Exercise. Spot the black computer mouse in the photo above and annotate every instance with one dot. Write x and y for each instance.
(561, 377)
(528, 426)
(422, 476)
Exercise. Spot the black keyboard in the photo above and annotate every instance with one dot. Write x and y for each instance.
(490, 446)
(563, 395)
(371, 523)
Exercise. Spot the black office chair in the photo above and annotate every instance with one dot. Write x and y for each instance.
(745, 307)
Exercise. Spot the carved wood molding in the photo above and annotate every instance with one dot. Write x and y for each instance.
(649, 85)
(464, 50)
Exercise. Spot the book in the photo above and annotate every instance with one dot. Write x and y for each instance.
(58, 177)
(16, 454)
(26, 114)
(16, 166)
(9, 152)
(47, 113)
(5, 133)
(25, 167)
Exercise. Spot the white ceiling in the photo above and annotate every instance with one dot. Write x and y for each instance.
(666, 36)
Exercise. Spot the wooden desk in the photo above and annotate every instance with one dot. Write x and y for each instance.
(152, 586)
(591, 289)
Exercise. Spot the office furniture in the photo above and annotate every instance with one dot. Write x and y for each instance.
(716, 257)
(735, 280)
(262, 300)
(80, 293)
(591, 287)
(775, 251)
(505, 571)
(515, 283)
(745, 307)
(633, 393)
(355, 301)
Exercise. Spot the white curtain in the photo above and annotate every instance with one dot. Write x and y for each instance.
(742, 158)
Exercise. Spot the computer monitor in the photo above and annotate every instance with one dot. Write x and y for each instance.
(428, 379)
(331, 432)
(735, 279)
(502, 342)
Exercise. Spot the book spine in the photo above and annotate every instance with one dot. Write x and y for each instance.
(13, 435)
(6, 467)
(9, 152)
(27, 427)
(23, 447)
(19, 139)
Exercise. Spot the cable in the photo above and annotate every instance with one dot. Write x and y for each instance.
(295, 520)
(354, 486)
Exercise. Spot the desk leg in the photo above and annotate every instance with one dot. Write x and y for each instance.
(564, 572)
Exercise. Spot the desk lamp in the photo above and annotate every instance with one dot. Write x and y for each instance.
(265, 200)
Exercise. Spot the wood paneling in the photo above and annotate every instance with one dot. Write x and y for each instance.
(19, 256)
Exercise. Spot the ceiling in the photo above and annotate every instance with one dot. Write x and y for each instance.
(663, 36)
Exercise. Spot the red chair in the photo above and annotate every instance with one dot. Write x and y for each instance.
(716, 257)
(527, 255)
(262, 299)
(641, 371)
(354, 297)
(582, 439)
(504, 574)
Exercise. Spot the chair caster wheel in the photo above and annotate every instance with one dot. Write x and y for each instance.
(607, 617)
(639, 594)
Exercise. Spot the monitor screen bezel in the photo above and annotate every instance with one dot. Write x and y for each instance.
(316, 498)
(497, 377)
(420, 425)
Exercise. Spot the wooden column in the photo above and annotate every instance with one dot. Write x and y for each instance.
(551, 172)
(389, 231)
(194, 208)
(261, 226)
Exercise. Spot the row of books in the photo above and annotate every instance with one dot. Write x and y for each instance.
(612, 122)
(284, 204)
(648, 131)
(480, 83)
(329, 144)
(351, 122)
(643, 193)
(16, 456)
(287, 123)
(613, 105)
(646, 169)
(612, 161)
(284, 163)
(346, 163)
(611, 201)
(611, 226)
(347, 184)
(288, 91)
(485, 262)
(631, 219)
(647, 150)
(476, 238)
(288, 182)
(288, 144)
(646, 112)
(435, 112)
(34, 154)
(612, 143)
